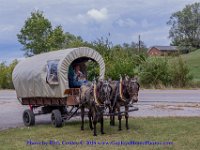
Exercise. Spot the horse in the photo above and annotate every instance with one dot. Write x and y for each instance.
(96, 98)
(125, 93)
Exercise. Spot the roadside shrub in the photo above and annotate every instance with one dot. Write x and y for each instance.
(180, 73)
(6, 75)
(154, 72)
(121, 63)
(159, 71)
(119, 60)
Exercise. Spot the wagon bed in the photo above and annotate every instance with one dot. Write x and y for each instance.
(71, 100)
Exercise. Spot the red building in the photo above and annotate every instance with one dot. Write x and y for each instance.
(162, 50)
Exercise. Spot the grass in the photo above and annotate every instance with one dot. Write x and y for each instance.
(193, 61)
(183, 132)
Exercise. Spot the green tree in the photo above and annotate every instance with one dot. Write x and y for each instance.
(2, 74)
(120, 63)
(37, 35)
(73, 41)
(6, 75)
(133, 47)
(56, 39)
(185, 26)
(103, 46)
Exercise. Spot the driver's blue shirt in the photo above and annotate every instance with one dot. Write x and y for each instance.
(73, 79)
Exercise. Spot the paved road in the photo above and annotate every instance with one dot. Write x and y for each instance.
(157, 103)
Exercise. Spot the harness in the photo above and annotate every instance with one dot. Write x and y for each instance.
(121, 91)
(115, 99)
(95, 95)
(95, 102)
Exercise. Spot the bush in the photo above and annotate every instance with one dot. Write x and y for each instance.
(159, 71)
(121, 63)
(116, 63)
(119, 60)
(179, 72)
(6, 75)
(154, 72)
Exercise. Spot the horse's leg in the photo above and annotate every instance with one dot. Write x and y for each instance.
(82, 118)
(126, 116)
(90, 119)
(102, 128)
(95, 123)
(111, 117)
(119, 118)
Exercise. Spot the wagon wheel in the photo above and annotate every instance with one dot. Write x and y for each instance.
(56, 118)
(28, 118)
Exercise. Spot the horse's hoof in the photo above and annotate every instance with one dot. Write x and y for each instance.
(119, 129)
(103, 133)
(112, 124)
(82, 129)
(95, 135)
(127, 128)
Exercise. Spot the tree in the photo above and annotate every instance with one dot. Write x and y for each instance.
(37, 35)
(56, 39)
(6, 75)
(73, 41)
(133, 47)
(185, 26)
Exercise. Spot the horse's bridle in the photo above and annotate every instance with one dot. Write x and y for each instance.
(130, 93)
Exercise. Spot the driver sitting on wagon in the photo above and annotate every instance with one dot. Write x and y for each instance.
(76, 77)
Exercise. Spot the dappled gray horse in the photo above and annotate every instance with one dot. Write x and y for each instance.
(125, 93)
(96, 98)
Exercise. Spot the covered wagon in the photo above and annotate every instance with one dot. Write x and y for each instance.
(42, 81)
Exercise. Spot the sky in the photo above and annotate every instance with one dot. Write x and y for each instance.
(90, 19)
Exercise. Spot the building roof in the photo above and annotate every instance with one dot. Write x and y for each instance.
(166, 48)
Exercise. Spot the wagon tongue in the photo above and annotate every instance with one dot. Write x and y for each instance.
(130, 105)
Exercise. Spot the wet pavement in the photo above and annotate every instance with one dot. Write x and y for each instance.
(155, 103)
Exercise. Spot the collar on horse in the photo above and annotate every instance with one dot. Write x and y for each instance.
(121, 91)
(95, 95)
(119, 88)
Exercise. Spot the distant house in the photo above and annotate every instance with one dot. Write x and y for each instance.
(162, 50)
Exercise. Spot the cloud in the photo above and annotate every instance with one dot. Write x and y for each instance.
(98, 15)
(7, 28)
(10, 52)
(7, 33)
(11, 59)
(146, 24)
(153, 36)
(91, 19)
(127, 22)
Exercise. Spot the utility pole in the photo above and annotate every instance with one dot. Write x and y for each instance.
(139, 44)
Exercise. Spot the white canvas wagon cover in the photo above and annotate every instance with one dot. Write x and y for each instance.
(30, 75)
